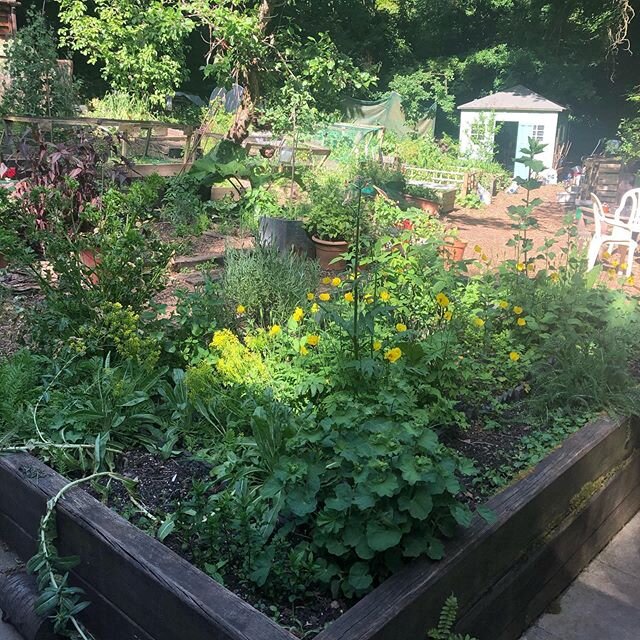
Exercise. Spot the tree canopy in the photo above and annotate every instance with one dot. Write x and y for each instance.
(574, 52)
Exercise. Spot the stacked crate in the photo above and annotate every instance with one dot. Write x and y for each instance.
(602, 177)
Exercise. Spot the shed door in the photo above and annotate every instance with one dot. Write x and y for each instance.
(525, 131)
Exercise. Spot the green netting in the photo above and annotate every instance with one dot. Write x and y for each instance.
(347, 140)
(388, 113)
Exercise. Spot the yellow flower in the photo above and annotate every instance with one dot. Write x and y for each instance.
(377, 345)
(298, 314)
(484, 257)
(275, 330)
(555, 276)
(518, 310)
(521, 322)
(303, 350)
(477, 248)
(630, 281)
(400, 327)
(335, 282)
(315, 308)
(615, 263)
(442, 300)
(240, 309)
(311, 296)
(448, 315)
(326, 280)
(623, 266)
(368, 298)
(349, 296)
(393, 354)
(520, 266)
(479, 322)
(385, 296)
(531, 267)
(606, 255)
(313, 340)
(514, 356)
(325, 297)
(503, 304)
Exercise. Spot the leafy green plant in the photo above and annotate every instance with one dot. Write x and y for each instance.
(448, 615)
(419, 191)
(121, 105)
(470, 201)
(183, 206)
(330, 216)
(266, 283)
(143, 54)
(39, 85)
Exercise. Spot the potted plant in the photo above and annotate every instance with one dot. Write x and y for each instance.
(453, 248)
(422, 197)
(330, 221)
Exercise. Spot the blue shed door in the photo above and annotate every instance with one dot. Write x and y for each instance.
(525, 131)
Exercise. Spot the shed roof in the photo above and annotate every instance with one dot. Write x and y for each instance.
(518, 98)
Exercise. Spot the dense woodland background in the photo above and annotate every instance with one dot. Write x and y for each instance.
(580, 53)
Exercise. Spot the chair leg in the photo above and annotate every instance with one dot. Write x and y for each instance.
(632, 249)
(594, 250)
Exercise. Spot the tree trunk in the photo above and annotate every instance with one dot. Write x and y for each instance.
(245, 115)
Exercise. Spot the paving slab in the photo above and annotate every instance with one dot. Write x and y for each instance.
(536, 633)
(623, 552)
(604, 601)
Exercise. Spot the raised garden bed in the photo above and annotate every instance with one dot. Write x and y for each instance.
(547, 527)
(163, 169)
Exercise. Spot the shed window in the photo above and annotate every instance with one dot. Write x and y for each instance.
(478, 133)
(538, 132)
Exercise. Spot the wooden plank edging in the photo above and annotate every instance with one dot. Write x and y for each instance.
(140, 590)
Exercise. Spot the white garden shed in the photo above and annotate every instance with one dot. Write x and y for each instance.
(502, 123)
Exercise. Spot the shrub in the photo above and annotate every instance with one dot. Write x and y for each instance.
(330, 216)
(39, 86)
(268, 284)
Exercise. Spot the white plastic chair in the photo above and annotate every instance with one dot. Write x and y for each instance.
(612, 231)
(629, 209)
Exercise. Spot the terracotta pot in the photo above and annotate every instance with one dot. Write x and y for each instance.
(91, 258)
(327, 250)
(454, 249)
(428, 206)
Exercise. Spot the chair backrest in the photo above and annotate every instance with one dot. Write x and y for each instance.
(599, 217)
(630, 203)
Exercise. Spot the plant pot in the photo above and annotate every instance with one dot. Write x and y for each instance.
(91, 258)
(428, 206)
(327, 250)
(285, 235)
(454, 249)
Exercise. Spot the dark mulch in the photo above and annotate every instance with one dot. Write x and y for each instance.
(14, 333)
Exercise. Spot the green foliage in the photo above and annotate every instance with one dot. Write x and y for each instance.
(448, 615)
(374, 485)
(121, 261)
(267, 283)
(39, 85)
(630, 131)
(330, 216)
(19, 381)
(138, 44)
(121, 105)
(420, 89)
(184, 207)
